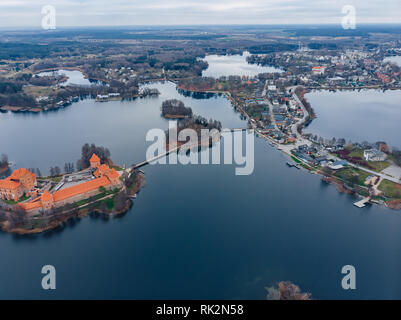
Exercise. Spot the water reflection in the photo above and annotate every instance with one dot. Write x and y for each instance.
(368, 115)
(234, 65)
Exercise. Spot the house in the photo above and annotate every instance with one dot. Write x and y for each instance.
(318, 70)
(337, 165)
(306, 158)
(321, 159)
(374, 155)
(304, 148)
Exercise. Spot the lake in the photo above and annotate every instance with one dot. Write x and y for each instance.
(237, 65)
(368, 115)
(195, 231)
(75, 77)
(55, 137)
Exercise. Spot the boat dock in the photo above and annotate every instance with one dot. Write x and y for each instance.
(362, 203)
(292, 164)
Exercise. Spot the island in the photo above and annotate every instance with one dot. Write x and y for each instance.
(31, 204)
(175, 109)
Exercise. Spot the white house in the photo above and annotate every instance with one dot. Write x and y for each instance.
(374, 155)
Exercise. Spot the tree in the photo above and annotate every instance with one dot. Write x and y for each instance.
(353, 180)
(4, 161)
(326, 171)
(69, 167)
(120, 201)
(341, 141)
(87, 152)
(57, 170)
(17, 217)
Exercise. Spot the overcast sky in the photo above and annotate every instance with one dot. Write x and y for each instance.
(14, 13)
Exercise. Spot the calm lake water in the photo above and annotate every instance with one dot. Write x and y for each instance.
(195, 231)
(368, 115)
(233, 65)
(121, 126)
(74, 77)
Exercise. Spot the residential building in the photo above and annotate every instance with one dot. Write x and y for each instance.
(374, 155)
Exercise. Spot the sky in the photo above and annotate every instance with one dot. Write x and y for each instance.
(76, 13)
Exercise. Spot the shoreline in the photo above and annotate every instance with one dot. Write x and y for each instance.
(392, 204)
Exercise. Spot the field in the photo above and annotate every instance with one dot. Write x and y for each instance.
(37, 91)
(346, 174)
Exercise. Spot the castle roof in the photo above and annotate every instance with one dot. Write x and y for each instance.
(13, 181)
(80, 188)
(9, 184)
(20, 173)
(112, 174)
(34, 204)
(102, 170)
(46, 196)
(94, 158)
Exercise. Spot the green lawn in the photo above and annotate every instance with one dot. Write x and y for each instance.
(379, 165)
(356, 153)
(391, 189)
(12, 202)
(347, 173)
(295, 159)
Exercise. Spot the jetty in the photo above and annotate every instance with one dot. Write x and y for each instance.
(362, 203)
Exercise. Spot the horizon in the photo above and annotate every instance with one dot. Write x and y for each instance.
(277, 25)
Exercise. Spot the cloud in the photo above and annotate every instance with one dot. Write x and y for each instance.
(172, 12)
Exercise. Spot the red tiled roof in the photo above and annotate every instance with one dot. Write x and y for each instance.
(46, 196)
(80, 188)
(104, 168)
(12, 182)
(94, 158)
(112, 174)
(9, 184)
(34, 204)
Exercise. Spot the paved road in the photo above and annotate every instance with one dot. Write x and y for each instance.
(294, 127)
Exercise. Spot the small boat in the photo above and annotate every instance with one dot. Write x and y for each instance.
(290, 164)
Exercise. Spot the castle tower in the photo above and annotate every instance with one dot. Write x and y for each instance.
(47, 200)
(94, 161)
